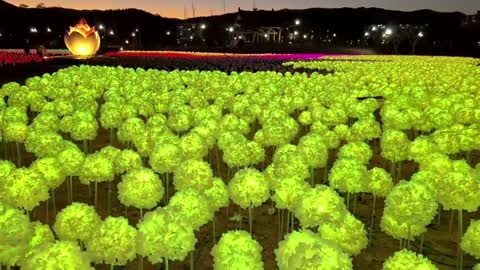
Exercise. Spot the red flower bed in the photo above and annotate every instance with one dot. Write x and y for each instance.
(15, 59)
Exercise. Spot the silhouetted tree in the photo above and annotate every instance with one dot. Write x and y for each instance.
(23, 5)
(41, 5)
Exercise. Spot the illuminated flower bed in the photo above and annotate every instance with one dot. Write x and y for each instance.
(202, 55)
(17, 56)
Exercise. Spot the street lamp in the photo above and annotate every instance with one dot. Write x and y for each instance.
(295, 33)
(305, 36)
(136, 30)
(388, 32)
(230, 29)
(33, 30)
(203, 26)
(420, 34)
(367, 34)
(374, 28)
(111, 33)
(133, 34)
(101, 27)
(168, 33)
(298, 22)
(266, 36)
(49, 30)
(127, 42)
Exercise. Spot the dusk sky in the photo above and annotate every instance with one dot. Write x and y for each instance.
(169, 8)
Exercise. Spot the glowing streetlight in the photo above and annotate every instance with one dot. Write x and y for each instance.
(266, 36)
(388, 32)
(136, 30)
(305, 36)
(367, 34)
(374, 28)
(33, 30)
(203, 26)
(49, 30)
(334, 35)
(168, 33)
(101, 27)
(230, 29)
(127, 42)
(133, 34)
(420, 34)
(298, 22)
(111, 33)
(191, 37)
(295, 33)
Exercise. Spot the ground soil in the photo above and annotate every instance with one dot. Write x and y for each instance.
(439, 244)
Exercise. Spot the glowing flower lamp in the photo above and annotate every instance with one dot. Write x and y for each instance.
(82, 40)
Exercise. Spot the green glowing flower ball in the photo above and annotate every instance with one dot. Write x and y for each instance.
(237, 250)
(44, 143)
(70, 160)
(165, 158)
(6, 167)
(114, 242)
(47, 121)
(193, 174)
(314, 150)
(343, 131)
(359, 151)
(306, 250)
(421, 148)
(290, 163)
(85, 127)
(50, 170)
(320, 205)
(162, 235)
(365, 129)
(110, 152)
(131, 128)
(437, 163)
(457, 190)
(470, 243)
(78, 221)
(379, 182)
(193, 146)
(96, 167)
(217, 195)
(349, 175)
(14, 114)
(16, 232)
(350, 235)
(395, 145)
(15, 132)
(192, 207)
(305, 118)
(24, 188)
(288, 192)
(42, 234)
(406, 259)
(249, 187)
(66, 254)
(126, 161)
(140, 188)
(402, 206)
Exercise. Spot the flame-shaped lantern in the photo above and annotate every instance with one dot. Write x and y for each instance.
(82, 40)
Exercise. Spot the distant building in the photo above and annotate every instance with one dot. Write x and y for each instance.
(473, 19)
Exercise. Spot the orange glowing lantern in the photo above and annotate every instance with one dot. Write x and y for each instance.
(82, 40)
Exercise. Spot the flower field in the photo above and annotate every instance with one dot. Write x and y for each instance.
(373, 165)
(14, 57)
(204, 55)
